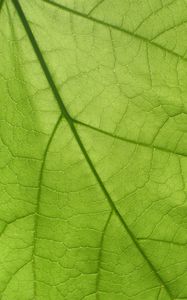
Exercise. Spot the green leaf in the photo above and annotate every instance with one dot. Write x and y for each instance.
(93, 150)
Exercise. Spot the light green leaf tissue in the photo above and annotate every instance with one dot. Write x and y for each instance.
(93, 150)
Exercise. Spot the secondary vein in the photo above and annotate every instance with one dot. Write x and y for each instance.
(135, 35)
(151, 146)
(37, 210)
(100, 254)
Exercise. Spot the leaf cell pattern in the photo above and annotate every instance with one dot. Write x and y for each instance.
(93, 147)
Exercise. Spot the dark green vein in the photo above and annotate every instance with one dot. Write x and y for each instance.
(78, 139)
(12, 276)
(41, 60)
(1, 4)
(100, 253)
(37, 210)
(159, 293)
(13, 221)
(151, 146)
(95, 6)
(162, 241)
(137, 36)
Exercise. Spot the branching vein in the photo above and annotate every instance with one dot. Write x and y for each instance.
(73, 128)
(151, 146)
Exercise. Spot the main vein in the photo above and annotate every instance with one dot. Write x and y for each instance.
(1, 4)
(78, 139)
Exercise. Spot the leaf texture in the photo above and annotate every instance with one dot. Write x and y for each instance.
(93, 150)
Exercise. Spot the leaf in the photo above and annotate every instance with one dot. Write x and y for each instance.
(93, 150)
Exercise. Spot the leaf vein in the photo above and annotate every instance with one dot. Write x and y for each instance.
(79, 141)
(133, 34)
(1, 4)
(151, 146)
(37, 210)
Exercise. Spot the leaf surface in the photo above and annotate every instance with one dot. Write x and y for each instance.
(93, 150)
